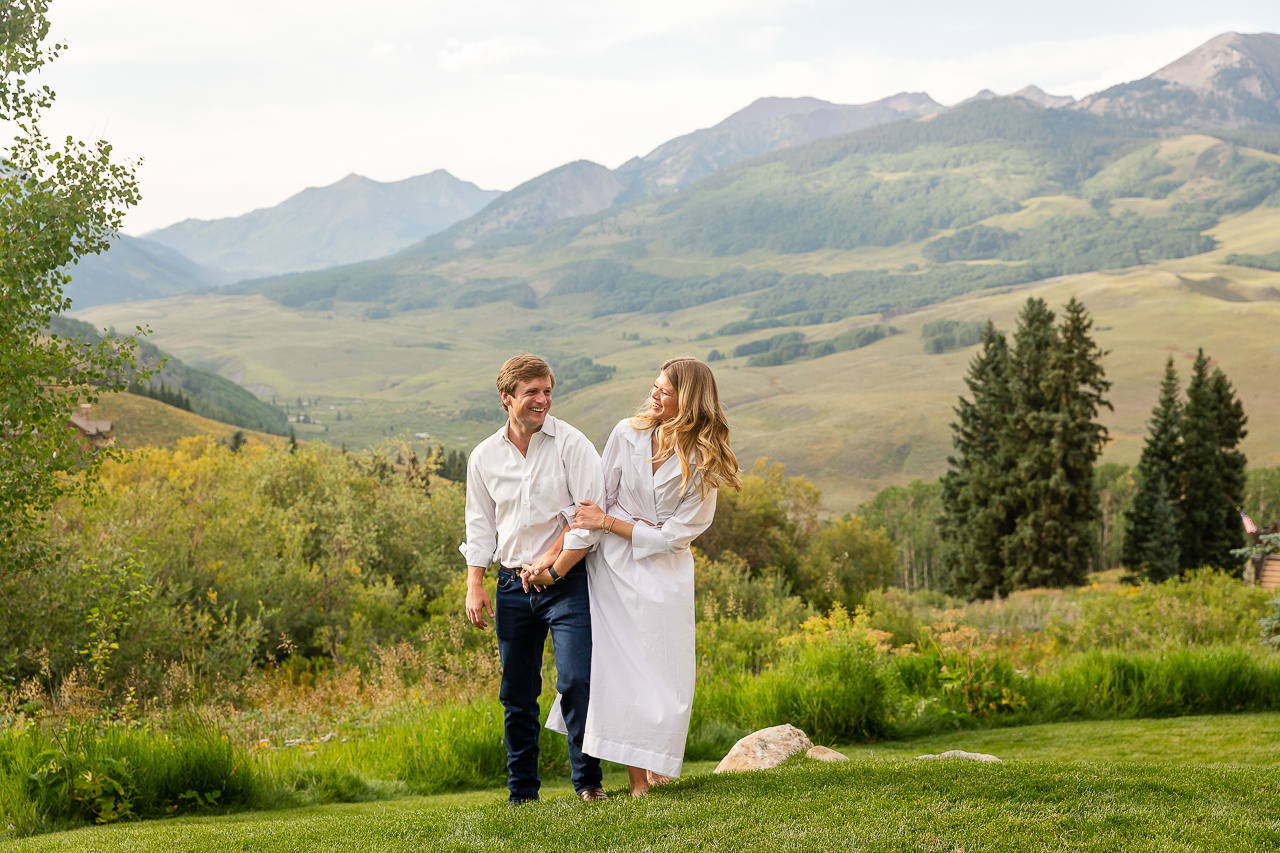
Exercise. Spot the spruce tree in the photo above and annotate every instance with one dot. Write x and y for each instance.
(1152, 524)
(1231, 421)
(1037, 491)
(976, 514)
(1200, 509)
(1154, 553)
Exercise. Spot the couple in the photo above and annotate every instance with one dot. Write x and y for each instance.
(539, 500)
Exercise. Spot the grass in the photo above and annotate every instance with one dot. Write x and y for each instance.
(1195, 783)
(140, 421)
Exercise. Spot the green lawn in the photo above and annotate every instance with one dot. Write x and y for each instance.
(1199, 783)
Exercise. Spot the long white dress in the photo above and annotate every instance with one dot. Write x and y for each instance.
(643, 664)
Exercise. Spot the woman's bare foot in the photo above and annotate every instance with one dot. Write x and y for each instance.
(656, 778)
(639, 779)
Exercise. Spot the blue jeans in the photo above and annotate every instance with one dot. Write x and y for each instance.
(523, 620)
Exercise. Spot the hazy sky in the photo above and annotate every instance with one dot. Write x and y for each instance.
(238, 104)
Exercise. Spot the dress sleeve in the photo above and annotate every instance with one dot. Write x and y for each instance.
(585, 480)
(481, 518)
(691, 518)
(615, 456)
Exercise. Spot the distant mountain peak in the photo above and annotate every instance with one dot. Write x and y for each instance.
(1041, 98)
(353, 219)
(1231, 80)
(984, 95)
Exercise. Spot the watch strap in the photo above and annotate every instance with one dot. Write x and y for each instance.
(556, 577)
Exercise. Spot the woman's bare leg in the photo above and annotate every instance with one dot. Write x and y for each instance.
(639, 779)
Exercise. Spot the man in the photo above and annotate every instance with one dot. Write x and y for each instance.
(523, 485)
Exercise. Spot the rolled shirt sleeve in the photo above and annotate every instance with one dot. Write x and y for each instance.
(481, 519)
(693, 516)
(585, 481)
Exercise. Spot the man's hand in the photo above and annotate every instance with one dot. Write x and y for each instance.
(478, 603)
(536, 575)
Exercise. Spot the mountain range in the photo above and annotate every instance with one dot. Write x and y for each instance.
(806, 275)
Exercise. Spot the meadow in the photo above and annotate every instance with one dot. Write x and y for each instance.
(853, 422)
(1073, 785)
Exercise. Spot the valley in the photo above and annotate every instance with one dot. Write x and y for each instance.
(813, 221)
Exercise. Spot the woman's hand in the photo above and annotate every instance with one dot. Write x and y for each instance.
(535, 574)
(588, 517)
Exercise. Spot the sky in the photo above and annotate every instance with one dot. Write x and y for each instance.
(234, 105)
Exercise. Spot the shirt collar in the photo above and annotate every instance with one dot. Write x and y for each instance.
(548, 428)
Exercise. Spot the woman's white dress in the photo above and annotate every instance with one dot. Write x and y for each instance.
(643, 663)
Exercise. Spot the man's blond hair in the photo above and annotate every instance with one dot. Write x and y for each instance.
(523, 368)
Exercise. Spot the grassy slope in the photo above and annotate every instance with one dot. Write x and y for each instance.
(1196, 783)
(854, 421)
(140, 421)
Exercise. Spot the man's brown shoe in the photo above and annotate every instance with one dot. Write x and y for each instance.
(594, 794)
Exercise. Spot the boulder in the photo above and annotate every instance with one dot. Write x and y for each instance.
(971, 756)
(822, 753)
(764, 749)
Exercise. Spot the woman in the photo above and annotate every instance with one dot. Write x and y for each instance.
(662, 468)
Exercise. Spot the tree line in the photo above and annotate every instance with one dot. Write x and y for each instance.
(1020, 504)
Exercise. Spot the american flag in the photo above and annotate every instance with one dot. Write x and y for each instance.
(1249, 526)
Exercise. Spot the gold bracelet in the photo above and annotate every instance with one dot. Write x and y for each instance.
(612, 521)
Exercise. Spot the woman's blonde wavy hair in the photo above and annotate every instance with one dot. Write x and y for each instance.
(699, 432)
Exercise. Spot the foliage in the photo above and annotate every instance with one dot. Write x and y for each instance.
(768, 524)
(192, 388)
(845, 560)
(909, 515)
(1262, 496)
(1151, 526)
(946, 335)
(1115, 485)
(1078, 244)
(1211, 472)
(976, 517)
(577, 373)
(56, 205)
(1270, 261)
(791, 346)
(1019, 501)
(334, 552)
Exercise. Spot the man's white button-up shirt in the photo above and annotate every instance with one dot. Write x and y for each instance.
(518, 504)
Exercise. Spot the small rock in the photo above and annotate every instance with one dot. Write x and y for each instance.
(764, 749)
(822, 753)
(971, 756)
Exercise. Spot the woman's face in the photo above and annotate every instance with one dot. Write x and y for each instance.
(662, 402)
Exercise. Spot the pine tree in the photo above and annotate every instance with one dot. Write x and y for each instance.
(1152, 524)
(1200, 511)
(976, 515)
(1037, 491)
(1078, 387)
(1155, 554)
(1231, 421)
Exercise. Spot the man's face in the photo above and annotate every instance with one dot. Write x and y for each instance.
(529, 405)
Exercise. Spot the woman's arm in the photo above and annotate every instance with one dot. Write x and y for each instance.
(592, 517)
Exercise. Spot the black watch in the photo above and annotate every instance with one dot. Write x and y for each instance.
(555, 576)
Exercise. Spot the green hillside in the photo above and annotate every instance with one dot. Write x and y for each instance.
(210, 396)
(813, 272)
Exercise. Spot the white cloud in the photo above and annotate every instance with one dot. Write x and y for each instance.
(488, 53)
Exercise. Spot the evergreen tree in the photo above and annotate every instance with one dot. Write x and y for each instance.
(1152, 524)
(1231, 431)
(1212, 470)
(1155, 555)
(976, 515)
(1037, 491)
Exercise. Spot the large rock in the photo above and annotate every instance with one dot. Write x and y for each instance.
(971, 756)
(822, 753)
(764, 749)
